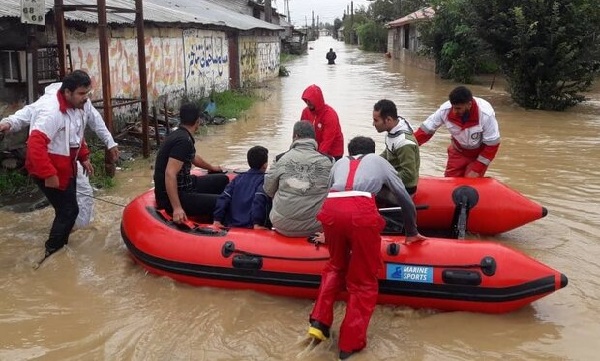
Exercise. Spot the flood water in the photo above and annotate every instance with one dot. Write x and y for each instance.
(91, 302)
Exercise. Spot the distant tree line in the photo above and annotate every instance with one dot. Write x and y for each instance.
(548, 50)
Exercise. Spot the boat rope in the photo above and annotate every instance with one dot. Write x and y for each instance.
(308, 259)
(474, 265)
(229, 249)
(100, 199)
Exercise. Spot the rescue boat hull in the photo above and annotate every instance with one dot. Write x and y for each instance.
(442, 274)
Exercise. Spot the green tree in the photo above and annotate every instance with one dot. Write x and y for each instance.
(373, 36)
(384, 11)
(337, 24)
(549, 50)
(352, 22)
(454, 43)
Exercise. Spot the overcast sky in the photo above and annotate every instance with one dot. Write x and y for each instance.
(327, 10)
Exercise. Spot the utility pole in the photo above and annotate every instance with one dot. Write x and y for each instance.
(312, 28)
(286, 9)
(352, 23)
(268, 11)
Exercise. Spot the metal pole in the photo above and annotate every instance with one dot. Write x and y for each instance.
(32, 64)
(109, 165)
(139, 22)
(60, 38)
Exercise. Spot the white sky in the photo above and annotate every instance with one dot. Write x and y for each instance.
(327, 10)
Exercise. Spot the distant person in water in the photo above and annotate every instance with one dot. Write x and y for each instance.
(331, 57)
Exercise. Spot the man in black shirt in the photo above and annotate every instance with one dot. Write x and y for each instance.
(176, 189)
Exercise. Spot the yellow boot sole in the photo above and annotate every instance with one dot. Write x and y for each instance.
(316, 334)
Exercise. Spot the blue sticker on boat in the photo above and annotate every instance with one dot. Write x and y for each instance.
(409, 273)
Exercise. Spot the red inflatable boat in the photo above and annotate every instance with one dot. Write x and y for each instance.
(443, 274)
(477, 205)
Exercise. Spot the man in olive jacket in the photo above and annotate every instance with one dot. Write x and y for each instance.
(298, 182)
(401, 148)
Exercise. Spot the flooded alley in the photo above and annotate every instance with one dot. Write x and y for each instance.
(92, 302)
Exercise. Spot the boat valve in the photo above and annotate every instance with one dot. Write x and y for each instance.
(393, 249)
(228, 249)
(488, 265)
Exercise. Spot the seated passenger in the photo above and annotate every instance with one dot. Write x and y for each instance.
(298, 183)
(175, 188)
(244, 203)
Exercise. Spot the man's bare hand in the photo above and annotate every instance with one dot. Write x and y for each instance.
(88, 168)
(114, 154)
(4, 127)
(179, 215)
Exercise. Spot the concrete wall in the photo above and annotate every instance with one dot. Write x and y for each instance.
(407, 53)
(178, 61)
(206, 60)
(259, 59)
(195, 61)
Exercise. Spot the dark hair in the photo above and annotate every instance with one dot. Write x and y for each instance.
(189, 113)
(460, 95)
(304, 129)
(74, 80)
(386, 108)
(257, 156)
(361, 145)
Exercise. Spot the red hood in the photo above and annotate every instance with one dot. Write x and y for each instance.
(314, 94)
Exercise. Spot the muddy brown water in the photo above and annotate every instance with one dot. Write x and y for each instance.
(91, 302)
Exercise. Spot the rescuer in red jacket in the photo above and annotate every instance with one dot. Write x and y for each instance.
(473, 127)
(325, 120)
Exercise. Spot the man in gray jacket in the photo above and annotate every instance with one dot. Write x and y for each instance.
(298, 183)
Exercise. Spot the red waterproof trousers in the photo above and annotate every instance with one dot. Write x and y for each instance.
(460, 162)
(352, 227)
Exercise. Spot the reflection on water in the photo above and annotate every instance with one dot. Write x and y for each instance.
(91, 302)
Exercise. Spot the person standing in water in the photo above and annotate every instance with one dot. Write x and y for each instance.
(331, 56)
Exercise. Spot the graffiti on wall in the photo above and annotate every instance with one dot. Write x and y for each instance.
(268, 60)
(248, 60)
(207, 61)
(164, 66)
(259, 60)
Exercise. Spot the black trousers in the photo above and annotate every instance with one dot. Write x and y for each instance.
(201, 201)
(65, 213)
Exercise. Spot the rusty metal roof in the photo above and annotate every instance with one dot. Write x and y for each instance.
(162, 11)
(419, 15)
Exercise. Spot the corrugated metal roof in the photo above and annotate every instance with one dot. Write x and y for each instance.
(207, 12)
(418, 15)
(162, 11)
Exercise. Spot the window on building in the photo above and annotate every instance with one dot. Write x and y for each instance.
(14, 65)
(11, 66)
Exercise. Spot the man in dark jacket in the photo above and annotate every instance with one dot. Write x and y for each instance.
(331, 56)
(244, 203)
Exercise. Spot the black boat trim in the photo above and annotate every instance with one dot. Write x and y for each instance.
(454, 292)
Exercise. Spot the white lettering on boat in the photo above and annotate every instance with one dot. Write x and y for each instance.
(409, 273)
